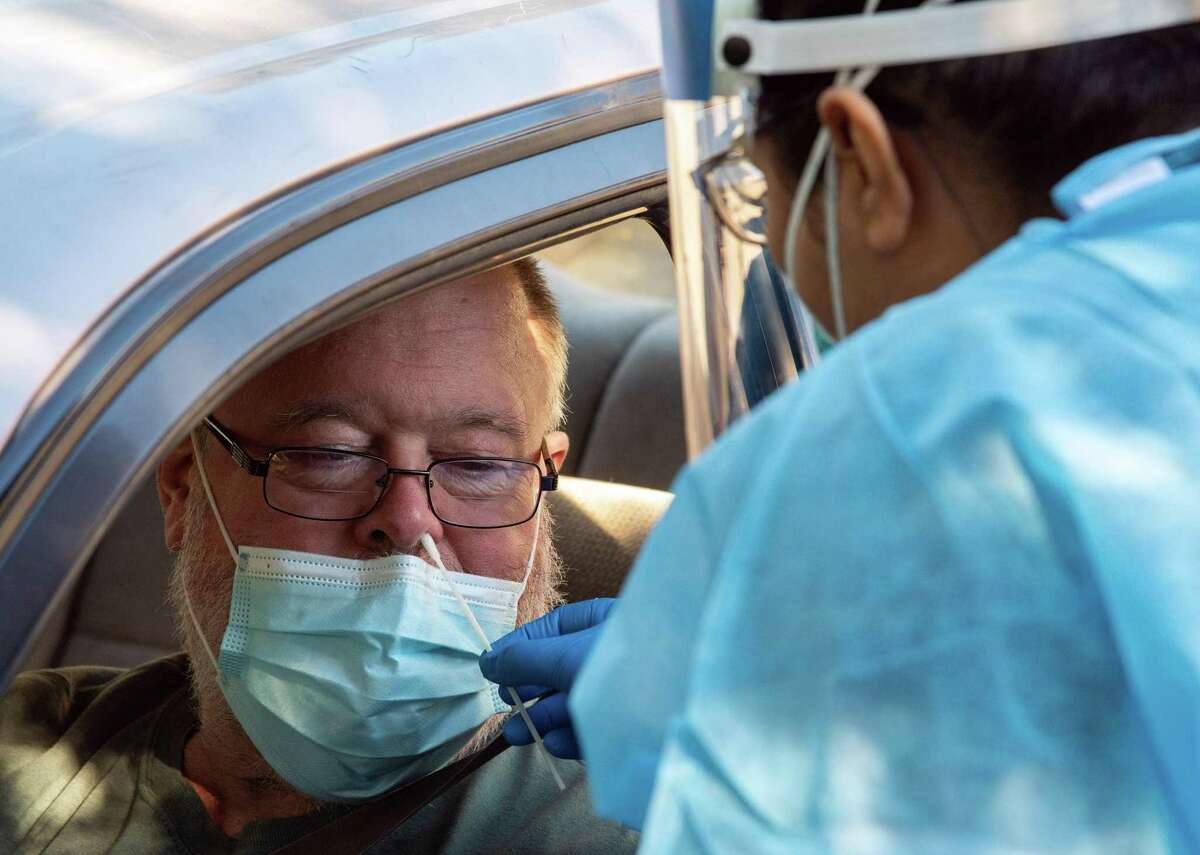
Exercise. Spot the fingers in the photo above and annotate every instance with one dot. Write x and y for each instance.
(553, 723)
(542, 656)
(547, 715)
(526, 693)
(562, 743)
(547, 651)
(564, 620)
(551, 662)
(585, 614)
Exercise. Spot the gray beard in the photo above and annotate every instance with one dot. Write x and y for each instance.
(205, 576)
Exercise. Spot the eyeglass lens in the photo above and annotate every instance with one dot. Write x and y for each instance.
(331, 485)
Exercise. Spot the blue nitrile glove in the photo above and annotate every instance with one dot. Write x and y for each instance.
(542, 658)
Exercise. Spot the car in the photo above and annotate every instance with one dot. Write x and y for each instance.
(192, 189)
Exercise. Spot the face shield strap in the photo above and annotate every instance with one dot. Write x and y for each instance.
(982, 28)
(914, 35)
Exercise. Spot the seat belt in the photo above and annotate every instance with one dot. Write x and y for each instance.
(356, 831)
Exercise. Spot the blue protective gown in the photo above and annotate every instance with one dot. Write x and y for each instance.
(942, 595)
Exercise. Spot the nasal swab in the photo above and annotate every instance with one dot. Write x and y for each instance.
(431, 548)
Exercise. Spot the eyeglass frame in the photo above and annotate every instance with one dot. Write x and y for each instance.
(259, 468)
(737, 151)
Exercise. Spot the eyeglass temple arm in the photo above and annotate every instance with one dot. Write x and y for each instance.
(549, 481)
(257, 468)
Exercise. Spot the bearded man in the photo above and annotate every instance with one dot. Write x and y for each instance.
(347, 524)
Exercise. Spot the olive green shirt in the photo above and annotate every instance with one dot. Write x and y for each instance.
(90, 761)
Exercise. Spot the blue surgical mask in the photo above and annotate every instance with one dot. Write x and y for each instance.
(352, 677)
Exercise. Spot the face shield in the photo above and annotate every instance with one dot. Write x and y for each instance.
(743, 331)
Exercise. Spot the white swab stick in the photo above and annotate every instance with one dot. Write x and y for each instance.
(431, 548)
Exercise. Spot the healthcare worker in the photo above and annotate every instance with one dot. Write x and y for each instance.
(941, 594)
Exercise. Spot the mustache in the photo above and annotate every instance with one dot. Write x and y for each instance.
(390, 550)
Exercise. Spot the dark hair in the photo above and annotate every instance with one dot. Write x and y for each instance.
(1037, 115)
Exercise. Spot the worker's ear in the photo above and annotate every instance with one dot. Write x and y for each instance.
(875, 193)
(174, 480)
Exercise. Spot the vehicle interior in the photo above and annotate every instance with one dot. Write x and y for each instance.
(625, 423)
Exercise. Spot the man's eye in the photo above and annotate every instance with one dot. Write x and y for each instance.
(480, 478)
(325, 458)
(324, 468)
(480, 467)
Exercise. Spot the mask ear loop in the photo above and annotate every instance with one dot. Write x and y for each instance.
(212, 503)
(431, 548)
(858, 80)
(537, 532)
(808, 180)
(833, 255)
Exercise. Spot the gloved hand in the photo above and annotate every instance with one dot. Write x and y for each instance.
(542, 658)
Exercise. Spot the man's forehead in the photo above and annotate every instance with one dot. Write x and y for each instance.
(362, 411)
(458, 355)
(488, 302)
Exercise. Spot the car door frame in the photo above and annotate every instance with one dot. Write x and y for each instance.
(317, 254)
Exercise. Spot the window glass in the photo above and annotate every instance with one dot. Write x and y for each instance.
(615, 290)
(628, 258)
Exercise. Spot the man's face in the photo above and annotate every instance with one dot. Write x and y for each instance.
(454, 371)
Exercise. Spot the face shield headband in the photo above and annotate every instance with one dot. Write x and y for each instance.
(743, 329)
(858, 46)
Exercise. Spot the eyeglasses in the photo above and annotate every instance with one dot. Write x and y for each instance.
(737, 191)
(334, 485)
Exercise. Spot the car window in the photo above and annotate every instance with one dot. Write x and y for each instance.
(626, 258)
(616, 292)
(624, 424)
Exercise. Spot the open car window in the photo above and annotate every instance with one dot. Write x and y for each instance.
(624, 423)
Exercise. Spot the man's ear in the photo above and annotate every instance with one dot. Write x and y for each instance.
(872, 178)
(174, 479)
(558, 444)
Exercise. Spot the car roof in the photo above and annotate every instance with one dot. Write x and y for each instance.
(131, 128)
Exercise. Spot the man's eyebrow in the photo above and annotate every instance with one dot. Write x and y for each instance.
(473, 418)
(309, 412)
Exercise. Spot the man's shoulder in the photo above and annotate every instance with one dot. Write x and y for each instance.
(68, 725)
(39, 707)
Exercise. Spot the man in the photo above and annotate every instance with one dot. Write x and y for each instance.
(169, 757)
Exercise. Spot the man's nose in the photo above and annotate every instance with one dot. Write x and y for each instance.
(400, 518)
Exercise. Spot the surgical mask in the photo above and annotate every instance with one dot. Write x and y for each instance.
(352, 677)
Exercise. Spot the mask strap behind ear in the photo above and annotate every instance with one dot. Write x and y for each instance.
(537, 531)
(212, 503)
(187, 599)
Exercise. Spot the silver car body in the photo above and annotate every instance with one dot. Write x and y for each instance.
(188, 188)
